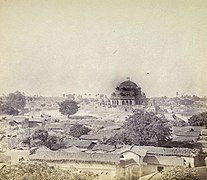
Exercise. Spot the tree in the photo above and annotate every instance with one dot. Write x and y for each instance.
(55, 142)
(40, 137)
(6, 109)
(40, 134)
(78, 130)
(16, 100)
(198, 120)
(119, 138)
(143, 128)
(68, 107)
(13, 104)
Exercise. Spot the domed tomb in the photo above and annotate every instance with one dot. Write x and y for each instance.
(128, 93)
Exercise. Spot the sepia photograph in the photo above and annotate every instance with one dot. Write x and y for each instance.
(103, 90)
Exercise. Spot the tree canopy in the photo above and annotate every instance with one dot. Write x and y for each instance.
(16, 100)
(7, 109)
(68, 107)
(78, 130)
(13, 103)
(40, 137)
(198, 120)
(144, 128)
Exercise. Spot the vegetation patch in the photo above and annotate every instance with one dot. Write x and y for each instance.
(41, 171)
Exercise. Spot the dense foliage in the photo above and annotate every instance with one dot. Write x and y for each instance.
(40, 137)
(180, 173)
(14, 103)
(16, 100)
(7, 109)
(198, 120)
(37, 171)
(78, 130)
(143, 128)
(68, 107)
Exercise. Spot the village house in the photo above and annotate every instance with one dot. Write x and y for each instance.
(165, 158)
(103, 165)
(111, 162)
(22, 122)
(150, 158)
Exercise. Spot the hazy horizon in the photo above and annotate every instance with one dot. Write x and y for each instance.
(57, 47)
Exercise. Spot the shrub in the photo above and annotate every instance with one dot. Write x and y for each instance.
(41, 171)
(180, 173)
(198, 120)
(78, 130)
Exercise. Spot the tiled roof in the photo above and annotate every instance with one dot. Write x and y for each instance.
(83, 157)
(100, 135)
(43, 148)
(139, 151)
(37, 120)
(122, 149)
(103, 147)
(163, 160)
(185, 139)
(78, 143)
(169, 151)
(72, 149)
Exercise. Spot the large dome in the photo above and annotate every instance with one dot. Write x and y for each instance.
(128, 84)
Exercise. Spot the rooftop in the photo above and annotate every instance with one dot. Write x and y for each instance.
(204, 132)
(187, 152)
(78, 143)
(103, 147)
(162, 160)
(82, 156)
(128, 84)
(100, 135)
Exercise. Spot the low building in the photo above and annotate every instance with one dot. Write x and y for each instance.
(104, 165)
(165, 158)
(109, 162)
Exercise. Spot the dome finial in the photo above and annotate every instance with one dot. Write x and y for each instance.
(128, 78)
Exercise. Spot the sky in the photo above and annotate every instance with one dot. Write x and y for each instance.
(55, 47)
